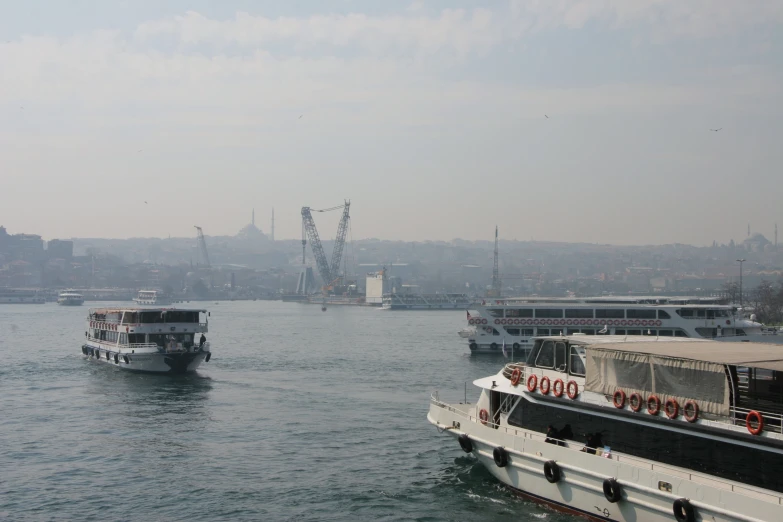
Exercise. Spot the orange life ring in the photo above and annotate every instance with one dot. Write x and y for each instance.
(671, 408)
(653, 405)
(635, 402)
(618, 399)
(558, 387)
(572, 393)
(544, 386)
(532, 382)
(694, 408)
(484, 416)
(758, 418)
(515, 376)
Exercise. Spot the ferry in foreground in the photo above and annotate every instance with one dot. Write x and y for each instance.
(517, 321)
(70, 298)
(162, 340)
(152, 297)
(633, 429)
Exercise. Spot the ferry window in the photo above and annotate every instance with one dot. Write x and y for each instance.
(136, 338)
(680, 333)
(549, 312)
(710, 314)
(579, 313)
(517, 312)
(513, 331)
(546, 357)
(665, 333)
(641, 314)
(663, 314)
(588, 331)
(610, 313)
(619, 332)
(740, 331)
(526, 332)
(634, 332)
(131, 318)
(686, 312)
(576, 366)
(542, 331)
(701, 313)
(560, 357)
(495, 312)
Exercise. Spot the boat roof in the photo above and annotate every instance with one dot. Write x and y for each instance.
(144, 309)
(755, 355)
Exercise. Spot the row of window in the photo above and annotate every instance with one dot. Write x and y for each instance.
(669, 332)
(584, 313)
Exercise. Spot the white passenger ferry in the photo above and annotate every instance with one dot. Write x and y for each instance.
(152, 297)
(147, 339)
(639, 431)
(517, 321)
(70, 298)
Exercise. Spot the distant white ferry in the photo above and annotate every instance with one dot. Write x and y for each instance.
(516, 321)
(70, 298)
(147, 339)
(151, 297)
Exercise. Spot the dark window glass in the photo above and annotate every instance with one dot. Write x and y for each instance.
(542, 331)
(610, 313)
(546, 312)
(577, 367)
(680, 333)
(546, 357)
(580, 313)
(641, 314)
(663, 314)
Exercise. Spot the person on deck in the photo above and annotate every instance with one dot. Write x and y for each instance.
(201, 342)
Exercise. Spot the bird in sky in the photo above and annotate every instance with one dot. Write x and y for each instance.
(715, 130)
(300, 116)
(545, 116)
(145, 202)
(21, 107)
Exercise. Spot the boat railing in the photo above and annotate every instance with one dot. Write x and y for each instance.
(772, 422)
(142, 346)
(618, 457)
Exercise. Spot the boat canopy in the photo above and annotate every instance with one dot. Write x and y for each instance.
(682, 371)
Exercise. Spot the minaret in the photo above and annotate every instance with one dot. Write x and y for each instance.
(253, 218)
(272, 229)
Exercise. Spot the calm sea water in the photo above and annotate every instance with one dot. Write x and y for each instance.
(300, 415)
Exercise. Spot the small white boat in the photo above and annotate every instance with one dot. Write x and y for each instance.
(70, 298)
(148, 339)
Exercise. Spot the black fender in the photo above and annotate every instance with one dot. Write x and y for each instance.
(501, 456)
(515, 346)
(683, 510)
(494, 346)
(552, 471)
(612, 490)
(209, 356)
(465, 443)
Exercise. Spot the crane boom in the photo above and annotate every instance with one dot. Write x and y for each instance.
(339, 242)
(308, 224)
(203, 246)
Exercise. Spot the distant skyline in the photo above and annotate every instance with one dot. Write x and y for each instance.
(574, 121)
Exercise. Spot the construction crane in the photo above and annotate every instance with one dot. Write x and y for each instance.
(202, 245)
(330, 274)
(497, 285)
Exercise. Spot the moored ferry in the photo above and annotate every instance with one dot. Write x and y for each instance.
(517, 321)
(152, 297)
(20, 296)
(70, 298)
(633, 428)
(163, 340)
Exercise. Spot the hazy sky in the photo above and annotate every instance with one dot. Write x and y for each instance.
(429, 116)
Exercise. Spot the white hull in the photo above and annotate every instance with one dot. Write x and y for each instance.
(175, 362)
(70, 302)
(152, 302)
(648, 489)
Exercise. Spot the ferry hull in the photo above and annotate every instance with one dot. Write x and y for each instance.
(174, 363)
(648, 490)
